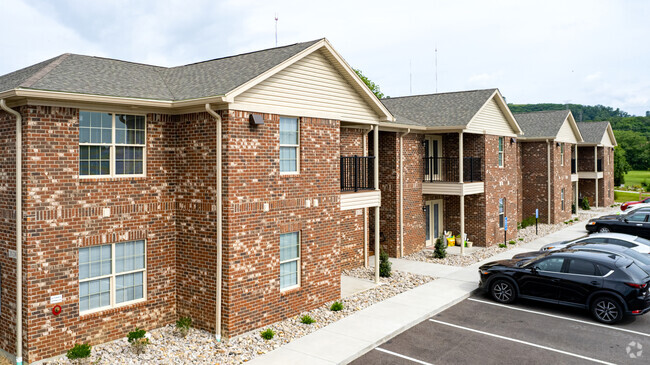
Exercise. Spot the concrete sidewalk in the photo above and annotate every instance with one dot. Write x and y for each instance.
(352, 336)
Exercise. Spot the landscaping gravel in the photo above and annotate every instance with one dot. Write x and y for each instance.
(200, 347)
(525, 235)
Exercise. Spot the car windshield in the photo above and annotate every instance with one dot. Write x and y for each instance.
(640, 257)
(636, 272)
(642, 240)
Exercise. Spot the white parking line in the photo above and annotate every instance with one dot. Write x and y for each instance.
(560, 317)
(522, 342)
(403, 356)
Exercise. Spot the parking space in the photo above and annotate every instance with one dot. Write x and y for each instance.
(479, 330)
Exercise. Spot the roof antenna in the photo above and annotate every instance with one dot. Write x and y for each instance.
(410, 78)
(276, 29)
(436, 65)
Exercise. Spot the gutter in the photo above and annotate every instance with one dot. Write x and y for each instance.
(401, 193)
(219, 223)
(19, 231)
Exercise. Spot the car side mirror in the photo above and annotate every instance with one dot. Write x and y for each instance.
(625, 220)
(534, 270)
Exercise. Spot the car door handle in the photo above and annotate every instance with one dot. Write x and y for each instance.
(594, 282)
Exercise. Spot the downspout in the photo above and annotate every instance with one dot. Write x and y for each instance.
(548, 179)
(375, 135)
(365, 210)
(401, 193)
(19, 231)
(219, 224)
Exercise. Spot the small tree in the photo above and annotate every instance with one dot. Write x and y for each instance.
(373, 87)
(384, 265)
(441, 248)
(621, 167)
(584, 204)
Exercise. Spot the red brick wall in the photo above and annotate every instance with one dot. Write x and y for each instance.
(500, 182)
(8, 231)
(534, 181)
(352, 220)
(389, 186)
(63, 213)
(606, 187)
(561, 180)
(251, 292)
(414, 225)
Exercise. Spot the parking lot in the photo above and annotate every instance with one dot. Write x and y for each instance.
(479, 330)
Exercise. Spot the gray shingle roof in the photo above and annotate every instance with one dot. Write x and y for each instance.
(438, 110)
(109, 77)
(592, 132)
(544, 124)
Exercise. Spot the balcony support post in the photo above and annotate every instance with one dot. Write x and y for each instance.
(596, 171)
(365, 210)
(577, 182)
(462, 196)
(376, 168)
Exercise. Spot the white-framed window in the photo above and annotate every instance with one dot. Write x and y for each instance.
(502, 211)
(501, 146)
(289, 260)
(111, 144)
(112, 275)
(561, 154)
(289, 145)
(562, 198)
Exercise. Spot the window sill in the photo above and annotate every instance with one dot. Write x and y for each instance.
(290, 290)
(102, 312)
(290, 173)
(95, 179)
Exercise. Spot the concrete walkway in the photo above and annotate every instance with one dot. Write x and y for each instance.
(352, 336)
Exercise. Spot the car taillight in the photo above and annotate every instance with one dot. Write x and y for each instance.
(637, 286)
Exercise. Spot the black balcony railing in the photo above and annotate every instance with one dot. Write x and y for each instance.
(357, 173)
(587, 164)
(573, 166)
(445, 169)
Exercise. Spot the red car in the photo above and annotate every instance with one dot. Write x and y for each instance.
(629, 204)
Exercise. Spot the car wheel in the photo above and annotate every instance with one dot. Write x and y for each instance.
(603, 230)
(503, 291)
(607, 310)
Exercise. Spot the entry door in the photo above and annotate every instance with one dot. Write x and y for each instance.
(432, 152)
(433, 221)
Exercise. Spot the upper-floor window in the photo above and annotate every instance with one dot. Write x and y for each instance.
(501, 143)
(112, 275)
(111, 144)
(561, 154)
(289, 145)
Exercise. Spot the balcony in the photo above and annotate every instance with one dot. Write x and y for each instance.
(357, 181)
(445, 169)
(586, 168)
(441, 176)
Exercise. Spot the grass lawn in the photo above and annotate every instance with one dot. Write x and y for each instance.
(622, 197)
(636, 177)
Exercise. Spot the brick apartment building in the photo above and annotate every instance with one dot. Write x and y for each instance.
(548, 151)
(232, 191)
(596, 163)
(427, 188)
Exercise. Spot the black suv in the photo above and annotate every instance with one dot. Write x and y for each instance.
(636, 223)
(607, 284)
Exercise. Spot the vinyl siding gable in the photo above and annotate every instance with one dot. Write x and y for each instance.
(490, 120)
(606, 141)
(566, 133)
(311, 87)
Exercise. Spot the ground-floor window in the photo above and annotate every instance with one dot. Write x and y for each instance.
(112, 275)
(502, 210)
(562, 198)
(289, 260)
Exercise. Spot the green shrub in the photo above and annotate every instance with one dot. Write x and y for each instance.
(502, 245)
(183, 325)
(384, 265)
(336, 306)
(307, 320)
(138, 340)
(512, 242)
(79, 351)
(441, 248)
(646, 185)
(521, 239)
(584, 204)
(530, 221)
(267, 334)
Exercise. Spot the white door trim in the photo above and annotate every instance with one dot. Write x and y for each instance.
(430, 204)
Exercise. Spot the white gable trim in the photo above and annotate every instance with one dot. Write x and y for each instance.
(570, 122)
(612, 139)
(351, 76)
(505, 110)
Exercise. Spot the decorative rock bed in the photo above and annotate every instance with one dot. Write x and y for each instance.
(200, 347)
(528, 235)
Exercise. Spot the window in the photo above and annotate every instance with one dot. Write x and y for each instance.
(289, 143)
(551, 264)
(289, 260)
(502, 210)
(639, 217)
(111, 144)
(562, 155)
(562, 198)
(501, 139)
(582, 267)
(111, 275)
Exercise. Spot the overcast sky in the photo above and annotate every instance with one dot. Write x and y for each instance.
(570, 51)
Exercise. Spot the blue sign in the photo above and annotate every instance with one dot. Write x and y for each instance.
(536, 213)
(505, 225)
